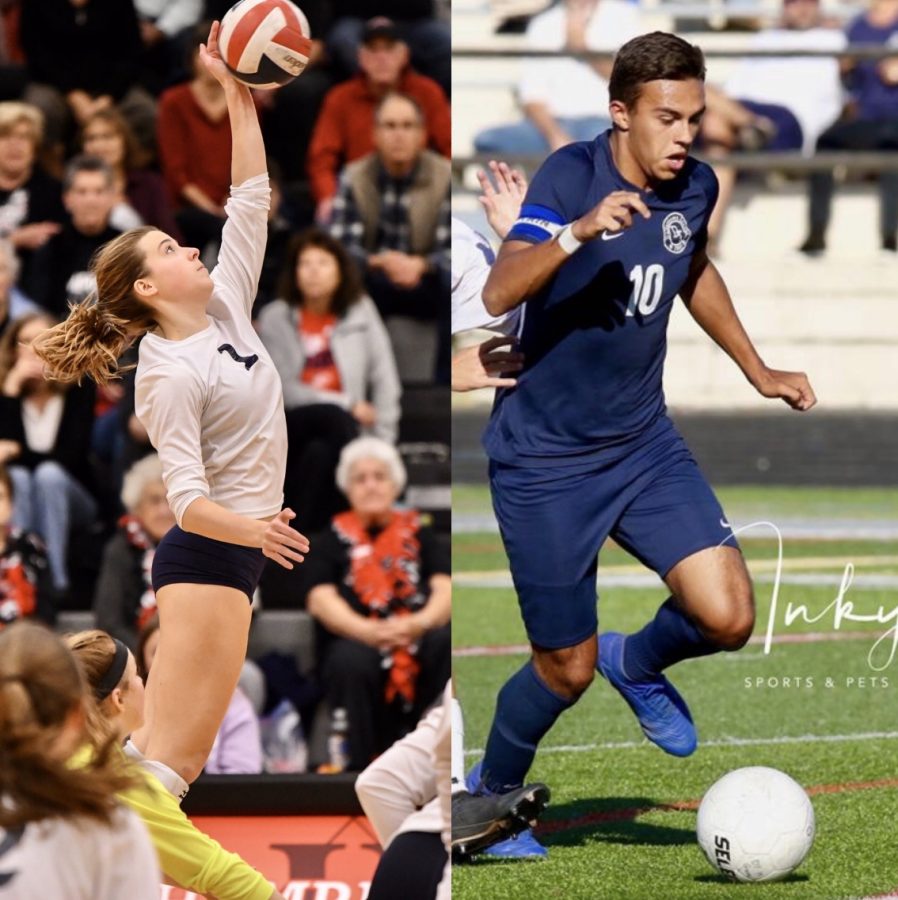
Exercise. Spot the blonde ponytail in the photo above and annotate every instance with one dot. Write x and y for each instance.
(100, 328)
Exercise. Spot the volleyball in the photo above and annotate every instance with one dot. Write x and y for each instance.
(265, 43)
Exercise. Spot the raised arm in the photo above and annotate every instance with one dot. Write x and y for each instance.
(248, 148)
(522, 268)
(708, 300)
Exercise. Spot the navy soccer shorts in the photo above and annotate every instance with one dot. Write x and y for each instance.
(648, 494)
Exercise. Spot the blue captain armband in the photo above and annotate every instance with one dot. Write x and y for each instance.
(536, 224)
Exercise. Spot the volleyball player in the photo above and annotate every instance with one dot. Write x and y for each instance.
(211, 401)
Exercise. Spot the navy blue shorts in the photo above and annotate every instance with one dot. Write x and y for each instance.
(649, 495)
(184, 558)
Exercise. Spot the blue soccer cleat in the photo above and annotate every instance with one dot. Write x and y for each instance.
(662, 712)
(522, 845)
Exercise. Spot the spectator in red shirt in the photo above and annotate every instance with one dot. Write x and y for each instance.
(194, 138)
(345, 129)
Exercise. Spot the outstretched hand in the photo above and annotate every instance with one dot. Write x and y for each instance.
(487, 365)
(212, 59)
(282, 543)
(792, 387)
(502, 203)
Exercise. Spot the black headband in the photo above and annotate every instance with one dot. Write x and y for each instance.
(113, 675)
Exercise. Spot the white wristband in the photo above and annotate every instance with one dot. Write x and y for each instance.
(567, 241)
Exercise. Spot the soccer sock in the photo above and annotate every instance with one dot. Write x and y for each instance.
(669, 638)
(526, 709)
(458, 746)
(170, 779)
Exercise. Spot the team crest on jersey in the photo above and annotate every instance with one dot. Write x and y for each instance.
(675, 232)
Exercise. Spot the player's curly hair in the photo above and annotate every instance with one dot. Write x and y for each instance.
(657, 56)
(100, 328)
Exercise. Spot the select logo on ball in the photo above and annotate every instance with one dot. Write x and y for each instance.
(265, 43)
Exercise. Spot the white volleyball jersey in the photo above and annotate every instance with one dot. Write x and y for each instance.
(472, 257)
(79, 859)
(212, 403)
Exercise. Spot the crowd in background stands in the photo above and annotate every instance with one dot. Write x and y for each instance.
(108, 121)
(784, 103)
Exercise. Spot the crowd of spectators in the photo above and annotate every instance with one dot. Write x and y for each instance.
(109, 121)
(798, 103)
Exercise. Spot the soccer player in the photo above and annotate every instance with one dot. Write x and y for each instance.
(582, 448)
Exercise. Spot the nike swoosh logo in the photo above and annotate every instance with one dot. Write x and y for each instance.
(607, 236)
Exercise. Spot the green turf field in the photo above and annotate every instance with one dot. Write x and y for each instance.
(610, 829)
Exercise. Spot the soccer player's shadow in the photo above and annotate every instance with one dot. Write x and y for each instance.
(612, 820)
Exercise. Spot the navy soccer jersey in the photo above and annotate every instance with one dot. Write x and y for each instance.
(594, 339)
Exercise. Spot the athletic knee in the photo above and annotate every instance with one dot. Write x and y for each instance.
(567, 672)
(730, 627)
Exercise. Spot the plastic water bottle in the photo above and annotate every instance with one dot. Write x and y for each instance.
(283, 741)
(338, 741)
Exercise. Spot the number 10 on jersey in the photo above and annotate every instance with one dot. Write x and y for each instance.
(648, 285)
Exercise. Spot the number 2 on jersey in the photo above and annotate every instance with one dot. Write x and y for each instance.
(648, 285)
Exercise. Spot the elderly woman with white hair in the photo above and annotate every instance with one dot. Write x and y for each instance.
(124, 600)
(380, 590)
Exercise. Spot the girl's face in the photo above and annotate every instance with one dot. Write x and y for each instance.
(103, 140)
(130, 698)
(317, 273)
(174, 273)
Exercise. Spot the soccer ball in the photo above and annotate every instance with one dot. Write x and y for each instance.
(265, 43)
(755, 824)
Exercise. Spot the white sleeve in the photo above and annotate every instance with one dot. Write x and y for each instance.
(472, 257)
(243, 240)
(169, 404)
(401, 780)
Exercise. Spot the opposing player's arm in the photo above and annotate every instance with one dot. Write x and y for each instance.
(708, 300)
(522, 267)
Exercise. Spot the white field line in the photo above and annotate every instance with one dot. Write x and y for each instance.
(720, 742)
(841, 529)
(644, 579)
(808, 637)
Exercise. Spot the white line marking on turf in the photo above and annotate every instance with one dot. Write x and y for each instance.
(792, 528)
(809, 637)
(722, 742)
(642, 580)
